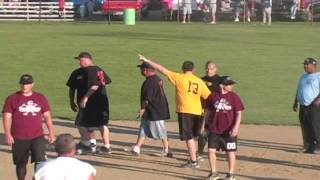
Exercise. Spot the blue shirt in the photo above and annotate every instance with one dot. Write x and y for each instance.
(308, 88)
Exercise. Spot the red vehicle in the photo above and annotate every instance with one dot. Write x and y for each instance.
(117, 6)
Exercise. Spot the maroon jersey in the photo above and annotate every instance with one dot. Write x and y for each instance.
(224, 108)
(26, 114)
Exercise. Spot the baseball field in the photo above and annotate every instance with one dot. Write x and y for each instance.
(266, 61)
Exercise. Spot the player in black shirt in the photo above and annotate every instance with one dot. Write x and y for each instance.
(212, 81)
(153, 111)
(89, 81)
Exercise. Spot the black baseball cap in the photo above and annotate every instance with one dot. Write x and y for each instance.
(83, 55)
(310, 60)
(226, 80)
(145, 65)
(26, 79)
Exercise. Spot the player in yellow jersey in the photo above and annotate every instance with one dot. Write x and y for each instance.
(189, 91)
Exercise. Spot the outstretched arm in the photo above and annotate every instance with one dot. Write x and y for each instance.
(158, 67)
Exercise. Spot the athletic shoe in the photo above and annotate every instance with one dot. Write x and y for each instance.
(230, 176)
(212, 22)
(249, 20)
(213, 176)
(167, 153)
(105, 150)
(135, 150)
(236, 20)
(82, 149)
(190, 164)
(183, 22)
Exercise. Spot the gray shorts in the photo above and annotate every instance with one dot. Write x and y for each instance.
(153, 129)
(187, 9)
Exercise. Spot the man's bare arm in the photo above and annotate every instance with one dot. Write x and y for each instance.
(157, 66)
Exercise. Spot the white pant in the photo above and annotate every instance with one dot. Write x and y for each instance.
(267, 14)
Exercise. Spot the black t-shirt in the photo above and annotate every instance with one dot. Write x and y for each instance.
(212, 82)
(96, 76)
(152, 91)
(82, 79)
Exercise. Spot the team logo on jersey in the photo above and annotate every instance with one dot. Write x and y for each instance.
(79, 77)
(222, 105)
(209, 83)
(29, 107)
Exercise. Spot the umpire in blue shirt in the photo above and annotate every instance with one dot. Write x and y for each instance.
(308, 99)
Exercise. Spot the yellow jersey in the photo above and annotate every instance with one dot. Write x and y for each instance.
(189, 91)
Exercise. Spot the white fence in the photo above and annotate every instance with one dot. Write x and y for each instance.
(36, 11)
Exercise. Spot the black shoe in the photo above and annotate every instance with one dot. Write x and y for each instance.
(316, 151)
(82, 148)
(105, 150)
(309, 151)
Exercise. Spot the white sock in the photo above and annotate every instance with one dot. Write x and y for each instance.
(107, 146)
(94, 141)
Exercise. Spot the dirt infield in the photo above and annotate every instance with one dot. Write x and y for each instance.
(264, 152)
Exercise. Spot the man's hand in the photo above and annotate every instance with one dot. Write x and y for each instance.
(74, 107)
(83, 102)
(142, 58)
(295, 107)
(234, 132)
(140, 113)
(9, 139)
(51, 138)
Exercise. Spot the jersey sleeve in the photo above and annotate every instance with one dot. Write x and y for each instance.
(45, 104)
(8, 107)
(107, 79)
(209, 102)
(238, 104)
(71, 81)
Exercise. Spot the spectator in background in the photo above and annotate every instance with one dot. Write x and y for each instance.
(61, 10)
(293, 9)
(168, 9)
(225, 5)
(266, 11)
(307, 97)
(213, 9)
(307, 8)
(23, 113)
(65, 166)
(187, 11)
(246, 5)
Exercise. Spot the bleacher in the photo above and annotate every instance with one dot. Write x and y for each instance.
(36, 11)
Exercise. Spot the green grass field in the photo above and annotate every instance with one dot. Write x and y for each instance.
(265, 60)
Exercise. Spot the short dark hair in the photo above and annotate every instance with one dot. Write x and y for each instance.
(64, 144)
(187, 66)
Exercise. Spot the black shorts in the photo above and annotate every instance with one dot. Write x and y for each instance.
(224, 142)
(21, 150)
(189, 125)
(90, 117)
